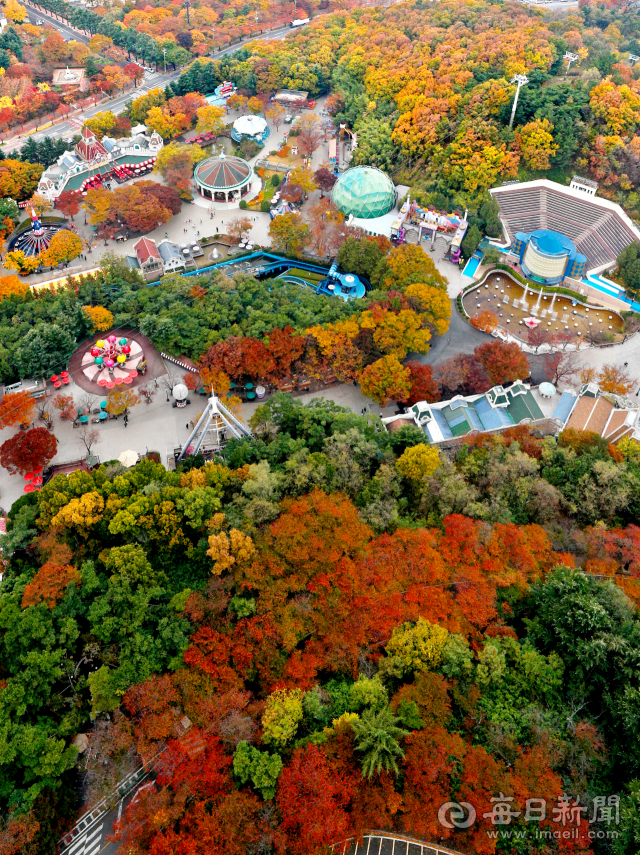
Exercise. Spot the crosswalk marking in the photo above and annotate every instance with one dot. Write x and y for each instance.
(87, 843)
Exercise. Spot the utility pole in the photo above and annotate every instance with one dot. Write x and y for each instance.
(187, 3)
(164, 56)
(570, 57)
(519, 80)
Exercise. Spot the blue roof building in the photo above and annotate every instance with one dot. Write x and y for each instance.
(497, 409)
(548, 257)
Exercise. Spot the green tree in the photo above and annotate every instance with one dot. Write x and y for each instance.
(470, 241)
(377, 735)
(361, 255)
(629, 267)
(259, 767)
(44, 349)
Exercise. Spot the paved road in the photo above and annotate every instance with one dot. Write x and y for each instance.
(461, 337)
(117, 105)
(65, 30)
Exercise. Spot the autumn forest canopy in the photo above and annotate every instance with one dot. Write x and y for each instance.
(329, 630)
(427, 87)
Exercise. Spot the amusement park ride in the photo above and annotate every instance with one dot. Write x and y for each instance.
(214, 427)
(36, 240)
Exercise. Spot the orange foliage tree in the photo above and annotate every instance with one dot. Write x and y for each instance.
(16, 408)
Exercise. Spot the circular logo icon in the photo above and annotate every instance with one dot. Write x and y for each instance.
(456, 815)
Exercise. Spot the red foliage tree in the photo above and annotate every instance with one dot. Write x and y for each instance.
(423, 385)
(502, 362)
(462, 373)
(285, 348)
(27, 450)
(312, 800)
(69, 203)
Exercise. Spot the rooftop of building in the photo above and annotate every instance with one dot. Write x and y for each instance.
(600, 229)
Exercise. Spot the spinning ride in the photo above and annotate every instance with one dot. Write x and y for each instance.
(37, 238)
(113, 362)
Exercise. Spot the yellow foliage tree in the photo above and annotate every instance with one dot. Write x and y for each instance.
(433, 304)
(386, 379)
(536, 143)
(17, 260)
(617, 106)
(415, 647)
(82, 513)
(119, 400)
(397, 333)
(14, 11)
(225, 550)
(64, 246)
(101, 318)
(11, 286)
(283, 713)
(209, 119)
(418, 462)
(102, 123)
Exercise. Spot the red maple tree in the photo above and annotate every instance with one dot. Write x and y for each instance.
(27, 450)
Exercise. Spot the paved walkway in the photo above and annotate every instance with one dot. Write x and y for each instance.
(156, 426)
(388, 843)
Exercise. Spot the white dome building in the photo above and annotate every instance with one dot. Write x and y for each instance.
(250, 127)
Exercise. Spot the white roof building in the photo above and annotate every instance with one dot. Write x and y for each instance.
(92, 156)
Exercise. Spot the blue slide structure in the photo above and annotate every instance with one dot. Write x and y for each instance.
(347, 286)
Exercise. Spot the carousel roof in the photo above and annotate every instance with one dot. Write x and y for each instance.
(223, 173)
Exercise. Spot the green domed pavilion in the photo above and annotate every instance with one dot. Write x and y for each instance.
(365, 192)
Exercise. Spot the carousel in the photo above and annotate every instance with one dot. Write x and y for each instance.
(113, 362)
(35, 240)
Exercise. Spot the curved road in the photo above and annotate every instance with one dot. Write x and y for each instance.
(388, 843)
(461, 337)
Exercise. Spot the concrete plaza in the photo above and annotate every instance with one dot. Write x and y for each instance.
(156, 426)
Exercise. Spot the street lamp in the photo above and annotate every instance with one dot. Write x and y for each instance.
(570, 57)
(164, 56)
(519, 80)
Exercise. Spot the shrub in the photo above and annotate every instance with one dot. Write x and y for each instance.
(243, 205)
(276, 180)
(265, 206)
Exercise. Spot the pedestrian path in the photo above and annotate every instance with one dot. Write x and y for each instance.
(385, 843)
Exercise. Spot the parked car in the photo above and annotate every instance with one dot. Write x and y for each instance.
(39, 22)
(288, 119)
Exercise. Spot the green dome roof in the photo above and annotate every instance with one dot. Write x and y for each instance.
(365, 192)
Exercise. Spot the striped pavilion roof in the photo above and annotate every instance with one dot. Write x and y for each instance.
(223, 173)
